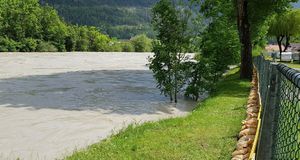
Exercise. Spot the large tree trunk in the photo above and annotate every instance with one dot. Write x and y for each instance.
(170, 81)
(287, 43)
(171, 96)
(279, 42)
(176, 85)
(245, 39)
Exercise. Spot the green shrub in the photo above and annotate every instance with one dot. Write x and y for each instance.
(8, 45)
(82, 44)
(127, 47)
(141, 43)
(115, 47)
(46, 47)
(257, 50)
(28, 45)
(59, 46)
(100, 43)
(70, 43)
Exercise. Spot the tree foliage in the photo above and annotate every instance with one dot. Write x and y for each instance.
(26, 26)
(221, 46)
(20, 19)
(251, 19)
(117, 18)
(141, 43)
(46, 47)
(285, 27)
(174, 70)
(128, 47)
(170, 25)
(8, 45)
(219, 39)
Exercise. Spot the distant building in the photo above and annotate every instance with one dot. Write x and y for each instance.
(292, 53)
(294, 47)
(272, 48)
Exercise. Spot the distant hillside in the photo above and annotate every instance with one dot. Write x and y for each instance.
(118, 18)
(141, 3)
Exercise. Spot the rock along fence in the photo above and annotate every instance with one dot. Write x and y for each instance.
(248, 137)
(279, 132)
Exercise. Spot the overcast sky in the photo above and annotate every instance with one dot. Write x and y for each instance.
(297, 4)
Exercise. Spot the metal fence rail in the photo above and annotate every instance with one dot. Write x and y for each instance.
(280, 96)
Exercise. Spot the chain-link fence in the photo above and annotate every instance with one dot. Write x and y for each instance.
(280, 99)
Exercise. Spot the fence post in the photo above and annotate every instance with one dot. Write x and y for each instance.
(276, 116)
(264, 150)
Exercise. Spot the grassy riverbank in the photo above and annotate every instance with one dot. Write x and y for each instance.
(209, 132)
(293, 65)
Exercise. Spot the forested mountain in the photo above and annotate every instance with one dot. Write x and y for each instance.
(26, 26)
(118, 18)
(142, 3)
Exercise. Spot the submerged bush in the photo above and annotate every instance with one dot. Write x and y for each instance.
(46, 47)
(8, 45)
(127, 47)
(141, 43)
(115, 47)
(28, 45)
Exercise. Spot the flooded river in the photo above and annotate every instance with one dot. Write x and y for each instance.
(54, 103)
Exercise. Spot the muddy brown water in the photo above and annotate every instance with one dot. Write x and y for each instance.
(54, 103)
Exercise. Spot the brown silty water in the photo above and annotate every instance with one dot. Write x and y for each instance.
(54, 103)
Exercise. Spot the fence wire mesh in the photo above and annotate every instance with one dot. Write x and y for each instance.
(286, 134)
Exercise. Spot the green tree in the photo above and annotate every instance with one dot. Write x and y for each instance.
(250, 17)
(46, 47)
(53, 28)
(141, 43)
(82, 43)
(219, 41)
(127, 47)
(33, 27)
(20, 19)
(170, 25)
(70, 44)
(8, 45)
(285, 26)
(199, 78)
(28, 45)
(296, 39)
(72, 38)
(220, 45)
(115, 46)
(97, 41)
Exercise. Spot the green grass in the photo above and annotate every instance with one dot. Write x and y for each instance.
(209, 132)
(293, 65)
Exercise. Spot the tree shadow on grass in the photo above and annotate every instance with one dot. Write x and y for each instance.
(113, 91)
(234, 89)
(233, 86)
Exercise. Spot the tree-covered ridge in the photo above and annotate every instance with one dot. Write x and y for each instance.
(140, 3)
(117, 18)
(27, 26)
(122, 23)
